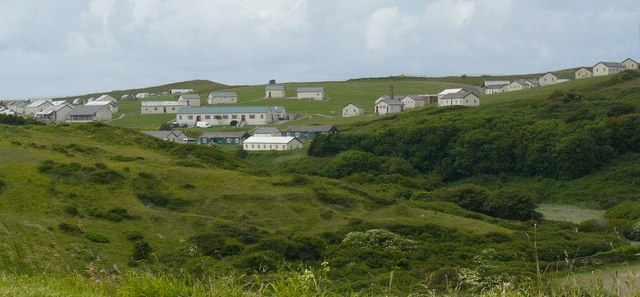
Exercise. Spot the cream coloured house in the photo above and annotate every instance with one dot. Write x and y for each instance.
(227, 116)
(315, 93)
(352, 110)
(171, 136)
(106, 98)
(548, 79)
(274, 91)
(37, 106)
(414, 101)
(55, 114)
(386, 105)
(222, 98)
(583, 72)
(608, 68)
(161, 107)
(517, 85)
(494, 89)
(112, 105)
(84, 113)
(275, 143)
(190, 99)
(630, 64)
(463, 98)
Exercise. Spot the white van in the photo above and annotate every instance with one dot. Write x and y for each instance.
(203, 124)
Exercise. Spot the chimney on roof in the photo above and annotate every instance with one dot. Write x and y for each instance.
(391, 93)
(272, 81)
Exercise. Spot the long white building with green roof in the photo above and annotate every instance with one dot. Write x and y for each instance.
(227, 116)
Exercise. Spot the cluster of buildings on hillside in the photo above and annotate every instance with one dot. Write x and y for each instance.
(61, 111)
(397, 103)
(606, 68)
(263, 138)
(503, 86)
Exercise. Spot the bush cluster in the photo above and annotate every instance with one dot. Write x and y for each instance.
(74, 172)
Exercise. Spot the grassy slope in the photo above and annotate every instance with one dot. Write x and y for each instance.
(32, 206)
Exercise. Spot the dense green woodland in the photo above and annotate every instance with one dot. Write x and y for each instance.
(433, 201)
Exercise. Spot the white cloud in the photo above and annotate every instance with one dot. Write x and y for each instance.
(386, 28)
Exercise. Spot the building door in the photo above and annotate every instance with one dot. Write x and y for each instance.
(164, 110)
(269, 94)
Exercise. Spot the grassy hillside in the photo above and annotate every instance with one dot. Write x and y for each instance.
(80, 196)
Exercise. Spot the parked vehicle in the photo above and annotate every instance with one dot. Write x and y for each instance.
(203, 124)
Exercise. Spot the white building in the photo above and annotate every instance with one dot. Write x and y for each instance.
(111, 105)
(414, 101)
(494, 89)
(83, 113)
(352, 110)
(222, 98)
(583, 72)
(315, 93)
(106, 98)
(55, 113)
(274, 91)
(143, 95)
(181, 91)
(276, 143)
(548, 79)
(36, 107)
(225, 116)
(608, 68)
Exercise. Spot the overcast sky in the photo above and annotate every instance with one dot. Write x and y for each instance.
(68, 47)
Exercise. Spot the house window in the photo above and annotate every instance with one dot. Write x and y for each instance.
(228, 140)
(155, 108)
(217, 117)
(208, 117)
(180, 117)
(225, 117)
(190, 117)
(173, 108)
(235, 116)
(262, 116)
(252, 116)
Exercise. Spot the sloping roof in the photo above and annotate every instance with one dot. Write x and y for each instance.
(488, 83)
(223, 134)
(415, 97)
(460, 95)
(106, 98)
(85, 110)
(354, 104)
(391, 102)
(20, 104)
(162, 103)
(190, 96)
(53, 108)
(160, 134)
(101, 103)
(223, 94)
(310, 129)
(274, 88)
(38, 103)
(613, 64)
(268, 140)
(223, 110)
(629, 59)
(495, 87)
(584, 68)
(311, 89)
(59, 102)
(266, 130)
(279, 109)
(450, 91)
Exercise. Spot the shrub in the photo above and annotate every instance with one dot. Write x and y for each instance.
(71, 211)
(378, 239)
(512, 205)
(260, 261)
(141, 250)
(95, 237)
(70, 229)
(115, 214)
(629, 210)
(467, 196)
(619, 109)
(593, 225)
(332, 198)
(215, 245)
(134, 236)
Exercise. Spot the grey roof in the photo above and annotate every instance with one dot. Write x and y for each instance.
(311, 89)
(53, 108)
(492, 87)
(163, 103)
(613, 64)
(20, 103)
(162, 134)
(391, 101)
(354, 104)
(415, 97)
(488, 83)
(396, 97)
(190, 96)
(629, 59)
(274, 88)
(266, 130)
(223, 94)
(585, 68)
(310, 129)
(223, 110)
(86, 110)
(38, 103)
(460, 95)
(224, 134)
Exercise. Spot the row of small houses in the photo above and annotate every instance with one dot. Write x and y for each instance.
(49, 111)
(386, 104)
(503, 86)
(606, 68)
(264, 138)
